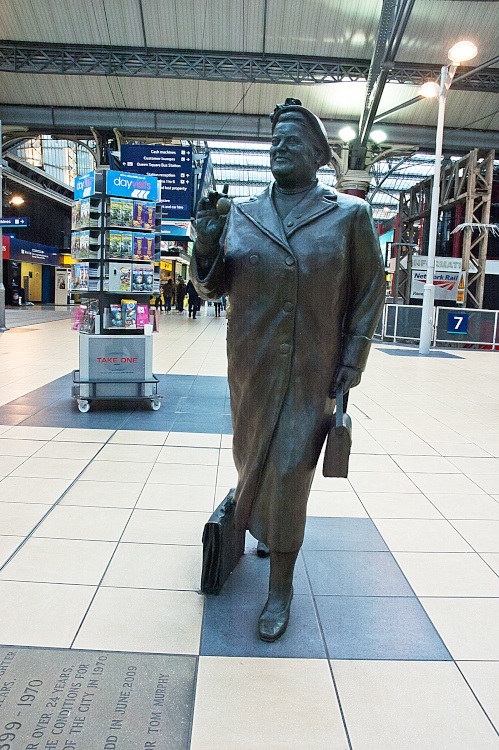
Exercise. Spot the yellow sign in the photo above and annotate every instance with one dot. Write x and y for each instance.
(461, 288)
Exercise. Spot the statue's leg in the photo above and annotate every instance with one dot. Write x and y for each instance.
(262, 550)
(275, 615)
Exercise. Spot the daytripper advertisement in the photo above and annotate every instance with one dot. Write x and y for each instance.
(445, 278)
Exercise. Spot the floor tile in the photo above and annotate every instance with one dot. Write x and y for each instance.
(483, 536)
(78, 435)
(76, 522)
(387, 628)
(195, 439)
(8, 464)
(295, 708)
(391, 505)
(445, 483)
(377, 462)
(19, 519)
(478, 466)
(251, 574)
(177, 497)
(487, 482)
(230, 627)
(226, 458)
(467, 626)
(165, 527)
(460, 449)
(59, 561)
(7, 546)
(185, 455)
(374, 482)
(183, 474)
(426, 464)
(352, 573)
(103, 494)
(117, 471)
(337, 504)
(32, 490)
(227, 475)
(51, 468)
(342, 534)
(492, 559)
(411, 705)
(126, 619)
(59, 610)
(61, 449)
(155, 566)
(20, 447)
(410, 447)
(448, 574)
(139, 437)
(129, 453)
(465, 506)
(483, 677)
(421, 535)
(226, 441)
(32, 433)
(330, 484)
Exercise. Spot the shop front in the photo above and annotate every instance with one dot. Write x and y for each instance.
(29, 271)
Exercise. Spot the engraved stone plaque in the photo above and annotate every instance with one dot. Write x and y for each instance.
(60, 699)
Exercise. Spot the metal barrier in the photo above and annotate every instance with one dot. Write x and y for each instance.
(454, 326)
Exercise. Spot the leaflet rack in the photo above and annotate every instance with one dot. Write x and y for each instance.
(115, 252)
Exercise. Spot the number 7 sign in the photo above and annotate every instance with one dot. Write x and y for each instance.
(457, 323)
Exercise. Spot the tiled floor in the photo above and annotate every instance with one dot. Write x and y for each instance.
(393, 639)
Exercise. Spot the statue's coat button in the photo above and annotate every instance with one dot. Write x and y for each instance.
(290, 261)
(284, 348)
(288, 306)
(253, 259)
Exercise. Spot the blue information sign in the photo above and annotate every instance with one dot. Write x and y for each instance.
(172, 165)
(457, 323)
(84, 186)
(15, 221)
(127, 185)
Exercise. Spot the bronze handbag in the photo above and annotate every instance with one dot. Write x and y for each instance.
(339, 441)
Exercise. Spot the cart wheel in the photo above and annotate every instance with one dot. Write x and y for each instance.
(83, 406)
(155, 404)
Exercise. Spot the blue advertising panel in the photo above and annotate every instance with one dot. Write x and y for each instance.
(15, 221)
(172, 165)
(84, 186)
(457, 323)
(127, 185)
(33, 252)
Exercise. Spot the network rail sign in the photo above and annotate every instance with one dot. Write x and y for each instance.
(172, 165)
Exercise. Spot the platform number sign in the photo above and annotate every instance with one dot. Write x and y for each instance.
(457, 323)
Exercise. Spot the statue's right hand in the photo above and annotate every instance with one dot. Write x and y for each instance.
(209, 224)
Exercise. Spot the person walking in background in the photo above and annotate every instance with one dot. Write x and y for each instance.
(194, 299)
(180, 294)
(218, 306)
(167, 288)
(158, 302)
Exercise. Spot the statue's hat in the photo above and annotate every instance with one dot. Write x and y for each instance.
(317, 129)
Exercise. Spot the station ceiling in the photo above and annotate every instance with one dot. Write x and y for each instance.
(214, 69)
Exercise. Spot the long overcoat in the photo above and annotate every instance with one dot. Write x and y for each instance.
(305, 296)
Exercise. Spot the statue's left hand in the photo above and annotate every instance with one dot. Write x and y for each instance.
(348, 377)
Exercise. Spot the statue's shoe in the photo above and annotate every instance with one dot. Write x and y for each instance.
(272, 624)
(262, 550)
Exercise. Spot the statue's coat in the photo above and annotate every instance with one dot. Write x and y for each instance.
(305, 297)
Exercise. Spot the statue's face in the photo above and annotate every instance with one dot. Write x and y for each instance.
(293, 157)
